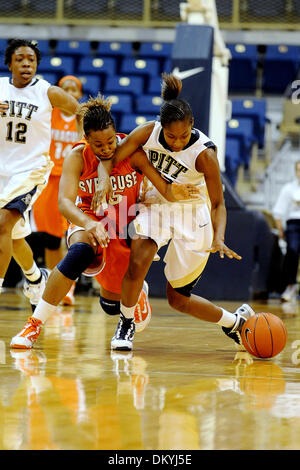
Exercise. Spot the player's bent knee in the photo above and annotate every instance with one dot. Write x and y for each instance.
(177, 300)
(111, 307)
(78, 258)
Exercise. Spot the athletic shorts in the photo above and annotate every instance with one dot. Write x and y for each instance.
(46, 216)
(20, 191)
(188, 228)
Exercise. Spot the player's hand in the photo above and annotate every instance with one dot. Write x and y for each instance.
(186, 191)
(219, 245)
(97, 234)
(102, 190)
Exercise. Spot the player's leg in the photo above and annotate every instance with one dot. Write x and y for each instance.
(78, 258)
(141, 256)
(180, 297)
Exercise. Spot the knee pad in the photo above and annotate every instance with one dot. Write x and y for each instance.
(78, 258)
(187, 290)
(111, 307)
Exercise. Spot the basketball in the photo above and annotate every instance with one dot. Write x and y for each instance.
(264, 335)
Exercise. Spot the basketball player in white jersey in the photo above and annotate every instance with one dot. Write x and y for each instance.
(26, 104)
(182, 154)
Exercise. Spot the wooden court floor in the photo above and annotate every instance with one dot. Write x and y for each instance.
(183, 387)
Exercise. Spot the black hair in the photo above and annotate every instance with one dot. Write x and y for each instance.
(173, 108)
(96, 114)
(14, 44)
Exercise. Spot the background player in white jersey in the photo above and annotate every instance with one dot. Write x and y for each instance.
(26, 104)
(182, 154)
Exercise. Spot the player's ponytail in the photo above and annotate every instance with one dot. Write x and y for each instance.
(173, 108)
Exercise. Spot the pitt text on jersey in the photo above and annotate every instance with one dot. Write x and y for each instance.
(166, 164)
(18, 109)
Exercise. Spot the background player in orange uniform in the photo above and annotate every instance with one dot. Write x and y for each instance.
(64, 134)
(88, 233)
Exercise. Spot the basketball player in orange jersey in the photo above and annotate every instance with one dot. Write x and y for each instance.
(64, 134)
(87, 235)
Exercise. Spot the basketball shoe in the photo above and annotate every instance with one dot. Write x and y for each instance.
(143, 310)
(242, 314)
(124, 334)
(28, 335)
(35, 291)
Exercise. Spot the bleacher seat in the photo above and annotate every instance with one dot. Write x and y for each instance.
(281, 64)
(58, 65)
(73, 48)
(96, 65)
(3, 44)
(242, 130)
(156, 50)
(44, 46)
(140, 67)
(49, 77)
(121, 104)
(131, 121)
(154, 86)
(148, 104)
(91, 84)
(243, 67)
(115, 49)
(124, 84)
(254, 109)
(232, 159)
(3, 67)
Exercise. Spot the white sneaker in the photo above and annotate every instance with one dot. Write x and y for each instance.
(35, 291)
(290, 293)
(124, 334)
(242, 314)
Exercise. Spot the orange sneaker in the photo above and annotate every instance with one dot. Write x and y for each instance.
(69, 299)
(28, 336)
(143, 310)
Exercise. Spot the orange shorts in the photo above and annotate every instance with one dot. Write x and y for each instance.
(46, 215)
(116, 260)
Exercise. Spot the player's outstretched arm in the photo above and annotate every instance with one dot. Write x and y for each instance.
(172, 192)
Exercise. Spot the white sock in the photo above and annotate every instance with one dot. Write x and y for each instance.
(128, 312)
(1, 282)
(227, 319)
(44, 310)
(34, 273)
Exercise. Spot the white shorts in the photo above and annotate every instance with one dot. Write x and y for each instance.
(14, 186)
(188, 227)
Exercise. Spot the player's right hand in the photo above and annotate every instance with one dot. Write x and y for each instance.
(97, 234)
(187, 191)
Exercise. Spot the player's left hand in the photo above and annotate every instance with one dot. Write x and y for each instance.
(219, 245)
(186, 191)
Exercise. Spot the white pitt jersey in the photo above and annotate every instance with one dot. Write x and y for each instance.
(25, 128)
(177, 167)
